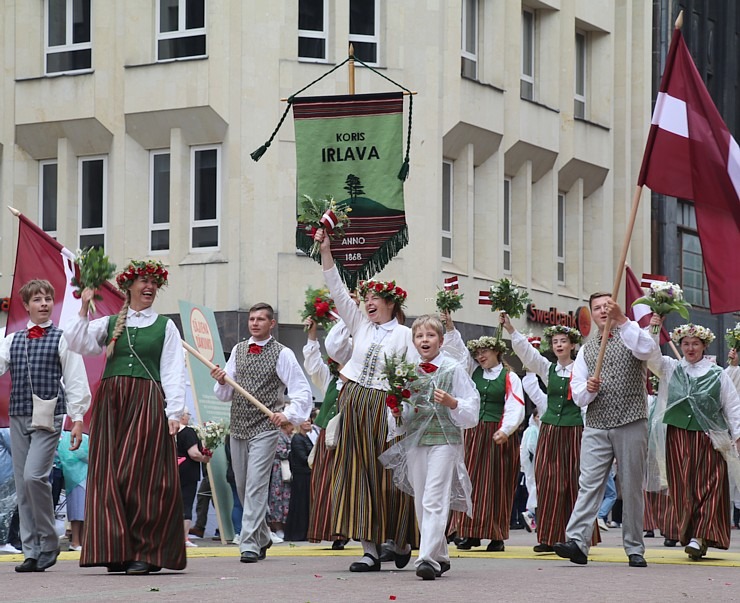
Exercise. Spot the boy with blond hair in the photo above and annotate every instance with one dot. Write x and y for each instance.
(42, 369)
(429, 462)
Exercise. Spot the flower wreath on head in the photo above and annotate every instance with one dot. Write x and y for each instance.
(573, 334)
(384, 289)
(137, 268)
(486, 342)
(692, 330)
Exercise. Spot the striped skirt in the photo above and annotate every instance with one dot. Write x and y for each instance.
(663, 513)
(494, 471)
(699, 487)
(365, 503)
(133, 510)
(320, 519)
(557, 467)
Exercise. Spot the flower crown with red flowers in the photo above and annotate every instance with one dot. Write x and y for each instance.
(385, 289)
(137, 268)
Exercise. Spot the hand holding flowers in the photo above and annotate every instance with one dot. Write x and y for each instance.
(319, 307)
(448, 300)
(506, 297)
(664, 298)
(95, 269)
(212, 434)
(323, 213)
(399, 374)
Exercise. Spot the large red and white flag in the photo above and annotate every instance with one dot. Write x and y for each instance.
(640, 313)
(40, 256)
(690, 154)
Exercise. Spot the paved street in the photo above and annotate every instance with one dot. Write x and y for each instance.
(313, 573)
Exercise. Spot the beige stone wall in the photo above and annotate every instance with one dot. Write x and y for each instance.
(129, 104)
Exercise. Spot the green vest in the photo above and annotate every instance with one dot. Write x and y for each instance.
(682, 415)
(560, 410)
(433, 418)
(492, 395)
(147, 342)
(328, 406)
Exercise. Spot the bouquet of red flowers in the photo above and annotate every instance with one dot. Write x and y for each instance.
(323, 213)
(95, 268)
(399, 374)
(319, 307)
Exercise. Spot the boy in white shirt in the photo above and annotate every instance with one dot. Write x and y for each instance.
(429, 462)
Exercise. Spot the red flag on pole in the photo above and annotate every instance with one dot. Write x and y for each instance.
(691, 154)
(484, 298)
(40, 256)
(451, 284)
(649, 279)
(640, 313)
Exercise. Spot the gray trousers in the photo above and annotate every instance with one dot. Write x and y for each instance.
(599, 447)
(33, 456)
(252, 464)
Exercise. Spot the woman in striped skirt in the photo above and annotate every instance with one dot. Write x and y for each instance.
(133, 516)
(699, 408)
(492, 447)
(325, 376)
(557, 463)
(366, 505)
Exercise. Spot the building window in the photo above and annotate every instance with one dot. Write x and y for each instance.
(561, 239)
(364, 23)
(526, 89)
(507, 226)
(48, 197)
(92, 188)
(469, 52)
(68, 41)
(159, 201)
(579, 102)
(447, 196)
(205, 204)
(693, 280)
(181, 29)
(312, 29)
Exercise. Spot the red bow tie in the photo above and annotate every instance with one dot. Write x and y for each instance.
(427, 367)
(35, 332)
(255, 349)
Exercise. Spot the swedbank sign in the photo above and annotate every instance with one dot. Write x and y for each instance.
(580, 319)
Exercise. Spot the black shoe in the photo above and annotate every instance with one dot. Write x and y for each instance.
(452, 538)
(116, 567)
(543, 548)
(571, 550)
(361, 566)
(670, 542)
(467, 543)
(138, 568)
(338, 544)
(263, 551)
(649, 534)
(425, 571)
(443, 567)
(46, 560)
(401, 559)
(495, 546)
(249, 557)
(637, 561)
(28, 565)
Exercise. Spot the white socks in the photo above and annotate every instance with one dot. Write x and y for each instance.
(369, 548)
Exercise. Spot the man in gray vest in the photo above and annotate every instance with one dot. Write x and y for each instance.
(616, 427)
(265, 368)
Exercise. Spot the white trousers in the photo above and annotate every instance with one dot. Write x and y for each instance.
(430, 470)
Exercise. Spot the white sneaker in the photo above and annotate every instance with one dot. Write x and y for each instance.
(280, 534)
(528, 521)
(9, 548)
(602, 524)
(236, 540)
(189, 544)
(275, 538)
(75, 548)
(614, 524)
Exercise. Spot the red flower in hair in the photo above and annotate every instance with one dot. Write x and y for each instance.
(378, 287)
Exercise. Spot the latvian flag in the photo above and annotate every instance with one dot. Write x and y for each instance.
(649, 279)
(451, 284)
(484, 298)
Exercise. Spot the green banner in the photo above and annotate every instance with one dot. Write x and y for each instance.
(350, 147)
(200, 331)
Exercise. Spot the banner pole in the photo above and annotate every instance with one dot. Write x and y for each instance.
(228, 379)
(618, 277)
(351, 68)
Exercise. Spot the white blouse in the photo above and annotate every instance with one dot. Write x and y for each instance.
(88, 338)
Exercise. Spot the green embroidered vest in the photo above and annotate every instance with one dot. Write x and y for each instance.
(147, 342)
(492, 395)
(560, 410)
(328, 406)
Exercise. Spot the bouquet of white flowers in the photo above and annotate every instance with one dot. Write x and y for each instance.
(212, 434)
(664, 298)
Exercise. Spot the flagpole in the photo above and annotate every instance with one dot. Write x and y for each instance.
(351, 68)
(228, 379)
(14, 211)
(618, 277)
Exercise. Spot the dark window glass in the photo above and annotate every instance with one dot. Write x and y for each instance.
(97, 241)
(161, 188)
(311, 15)
(366, 51)
(168, 15)
(73, 60)
(362, 17)
(205, 184)
(81, 21)
(205, 236)
(190, 46)
(312, 48)
(195, 14)
(49, 197)
(92, 194)
(57, 26)
(160, 240)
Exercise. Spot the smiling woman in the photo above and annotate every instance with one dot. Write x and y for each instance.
(134, 520)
